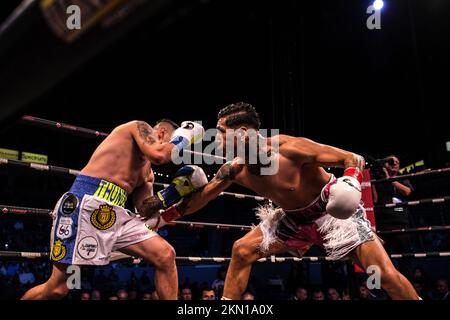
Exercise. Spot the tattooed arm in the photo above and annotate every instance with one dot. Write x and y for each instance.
(158, 153)
(223, 179)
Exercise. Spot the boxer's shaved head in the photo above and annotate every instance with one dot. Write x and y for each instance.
(164, 129)
(239, 114)
(173, 124)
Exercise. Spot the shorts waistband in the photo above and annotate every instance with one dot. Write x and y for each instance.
(100, 188)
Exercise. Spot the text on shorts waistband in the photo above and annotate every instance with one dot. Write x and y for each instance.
(112, 193)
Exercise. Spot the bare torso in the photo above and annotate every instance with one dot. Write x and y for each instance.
(294, 186)
(119, 160)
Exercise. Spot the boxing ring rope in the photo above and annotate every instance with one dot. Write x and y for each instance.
(24, 210)
(85, 132)
(210, 225)
(26, 255)
(38, 167)
(62, 170)
(412, 175)
(67, 171)
(44, 123)
(231, 194)
(207, 225)
(272, 259)
(419, 229)
(48, 124)
(413, 203)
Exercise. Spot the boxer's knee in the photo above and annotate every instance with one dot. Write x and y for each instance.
(390, 278)
(244, 252)
(164, 258)
(56, 292)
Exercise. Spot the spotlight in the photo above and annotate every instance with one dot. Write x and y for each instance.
(378, 4)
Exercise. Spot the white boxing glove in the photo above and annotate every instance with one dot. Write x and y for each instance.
(189, 133)
(343, 196)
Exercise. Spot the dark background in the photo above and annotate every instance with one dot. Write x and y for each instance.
(310, 68)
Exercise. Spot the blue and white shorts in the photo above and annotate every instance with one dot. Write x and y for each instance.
(90, 221)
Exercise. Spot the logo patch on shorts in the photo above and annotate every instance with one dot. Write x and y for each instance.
(104, 217)
(64, 228)
(59, 250)
(69, 204)
(87, 248)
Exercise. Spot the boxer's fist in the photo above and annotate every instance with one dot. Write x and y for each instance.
(187, 180)
(189, 133)
(343, 195)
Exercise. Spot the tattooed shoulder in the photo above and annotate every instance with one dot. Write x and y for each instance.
(145, 132)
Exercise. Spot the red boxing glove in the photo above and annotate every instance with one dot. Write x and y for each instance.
(164, 218)
(171, 214)
(354, 173)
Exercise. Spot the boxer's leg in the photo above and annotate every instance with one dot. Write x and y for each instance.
(372, 253)
(161, 254)
(54, 288)
(245, 252)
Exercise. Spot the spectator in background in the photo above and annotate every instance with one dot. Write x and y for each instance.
(218, 284)
(147, 296)
(144, 281)
(420, 290)
(318, 295)
(301, 294)
(112, 281)
(132, 283)
(248, 296)
(11, 268)
(185, 293)
(3, 271)
(441, 290)
(395, 217)
(18, 226)
(122, 294)
(85, 283)
(112, 276)
(132, 295)
(208, 294)
(26, 276)
(100, 279)
(419, 276)
(85, 296)
(332, 294)
(364, 293)
(113, 298)
(155, 295)
(96, 295)
(346, 294)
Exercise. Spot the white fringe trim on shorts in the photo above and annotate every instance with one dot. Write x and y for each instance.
(269, 217)
(342, 236)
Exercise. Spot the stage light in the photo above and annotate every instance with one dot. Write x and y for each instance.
(378, 4)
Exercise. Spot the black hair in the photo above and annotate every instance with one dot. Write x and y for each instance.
(172, 123)
(185, 287)
(240, 113)
(390, 159)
